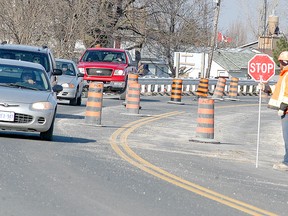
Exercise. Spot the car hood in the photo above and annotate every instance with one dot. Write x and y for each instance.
(17, 95)
(65, 79)
(102, 65)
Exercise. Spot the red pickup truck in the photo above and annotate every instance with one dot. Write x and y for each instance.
(108, 65)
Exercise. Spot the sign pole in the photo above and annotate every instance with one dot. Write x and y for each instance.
(259, 123)
(261, 68)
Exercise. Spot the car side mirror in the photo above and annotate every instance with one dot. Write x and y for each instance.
(57, 88)
(80, 75)
(57, 72)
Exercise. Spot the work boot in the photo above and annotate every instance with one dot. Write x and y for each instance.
(281, 166)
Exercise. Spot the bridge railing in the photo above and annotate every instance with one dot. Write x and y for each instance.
(163, 86)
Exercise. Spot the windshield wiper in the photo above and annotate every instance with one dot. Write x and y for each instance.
(21, 86)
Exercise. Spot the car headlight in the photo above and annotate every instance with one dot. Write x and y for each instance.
(82, 70)
(42, 106)
(119, 72)
(68, 85)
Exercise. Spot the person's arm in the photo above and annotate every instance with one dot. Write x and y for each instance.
(31, 81)
(284, 104)
(267, 88)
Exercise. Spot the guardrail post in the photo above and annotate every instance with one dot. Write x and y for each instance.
(162, 90)
(94, 103)
(143, 89)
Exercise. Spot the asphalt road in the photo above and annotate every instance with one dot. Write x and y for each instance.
(145, 164)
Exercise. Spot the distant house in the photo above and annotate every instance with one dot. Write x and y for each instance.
(226, 63)
(231, 63)
(157, 67)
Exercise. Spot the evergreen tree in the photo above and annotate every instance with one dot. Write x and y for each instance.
(281, 45)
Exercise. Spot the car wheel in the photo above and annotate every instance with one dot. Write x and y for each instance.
(79, 100)
(73, 101)
(122, 93)
(48, 135)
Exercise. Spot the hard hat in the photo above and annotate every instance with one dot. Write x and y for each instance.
(283, 56)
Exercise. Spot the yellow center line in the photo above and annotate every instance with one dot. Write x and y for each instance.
(130, 156)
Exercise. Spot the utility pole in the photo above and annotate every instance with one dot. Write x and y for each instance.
(214, 36)
(265, 18)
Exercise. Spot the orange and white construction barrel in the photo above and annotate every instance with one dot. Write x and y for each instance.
(94, 103)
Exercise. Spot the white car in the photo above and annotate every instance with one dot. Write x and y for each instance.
(71, 81)
(27, 100)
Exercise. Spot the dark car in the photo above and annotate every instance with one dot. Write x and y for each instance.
(42, 55)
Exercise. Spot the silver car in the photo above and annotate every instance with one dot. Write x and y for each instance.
(27, 100)
(71, 81)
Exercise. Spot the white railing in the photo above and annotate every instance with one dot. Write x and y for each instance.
(163, 86)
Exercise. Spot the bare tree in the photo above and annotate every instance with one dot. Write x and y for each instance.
(107, 21)
(22, 21)
(176, 26)
(166, 25)
(66, 23)
(238, 33)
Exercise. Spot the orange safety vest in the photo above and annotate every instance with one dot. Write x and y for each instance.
(280, 94)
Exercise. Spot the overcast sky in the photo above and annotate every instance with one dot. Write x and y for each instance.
(247, 11)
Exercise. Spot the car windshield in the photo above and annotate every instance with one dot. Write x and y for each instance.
(66, 67)
(104, 56)
(24, 77)
(29, 56)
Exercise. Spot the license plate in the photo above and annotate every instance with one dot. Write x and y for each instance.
(118, 84)
(6, 116)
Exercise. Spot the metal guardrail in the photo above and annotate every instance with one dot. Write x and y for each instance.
(154, 86)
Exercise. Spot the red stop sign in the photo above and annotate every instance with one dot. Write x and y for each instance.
(261, 67)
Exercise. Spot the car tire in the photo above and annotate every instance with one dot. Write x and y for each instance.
(79, 100)
(122, 93)
(48, 135)
(73, 101)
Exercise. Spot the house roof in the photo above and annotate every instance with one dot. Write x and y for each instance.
(233, 60)
(253, 44)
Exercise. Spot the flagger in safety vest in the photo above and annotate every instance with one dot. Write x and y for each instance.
(279, 101)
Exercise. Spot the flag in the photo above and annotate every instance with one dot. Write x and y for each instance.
(227, 39)
(223, 38)
(220, 37)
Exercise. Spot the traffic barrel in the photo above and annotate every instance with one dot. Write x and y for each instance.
(132, 78)
(94, 103)
(205, 121)
(202, 90)
(219, 90)
(133, 98)
(176, 92)
(233, 89)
